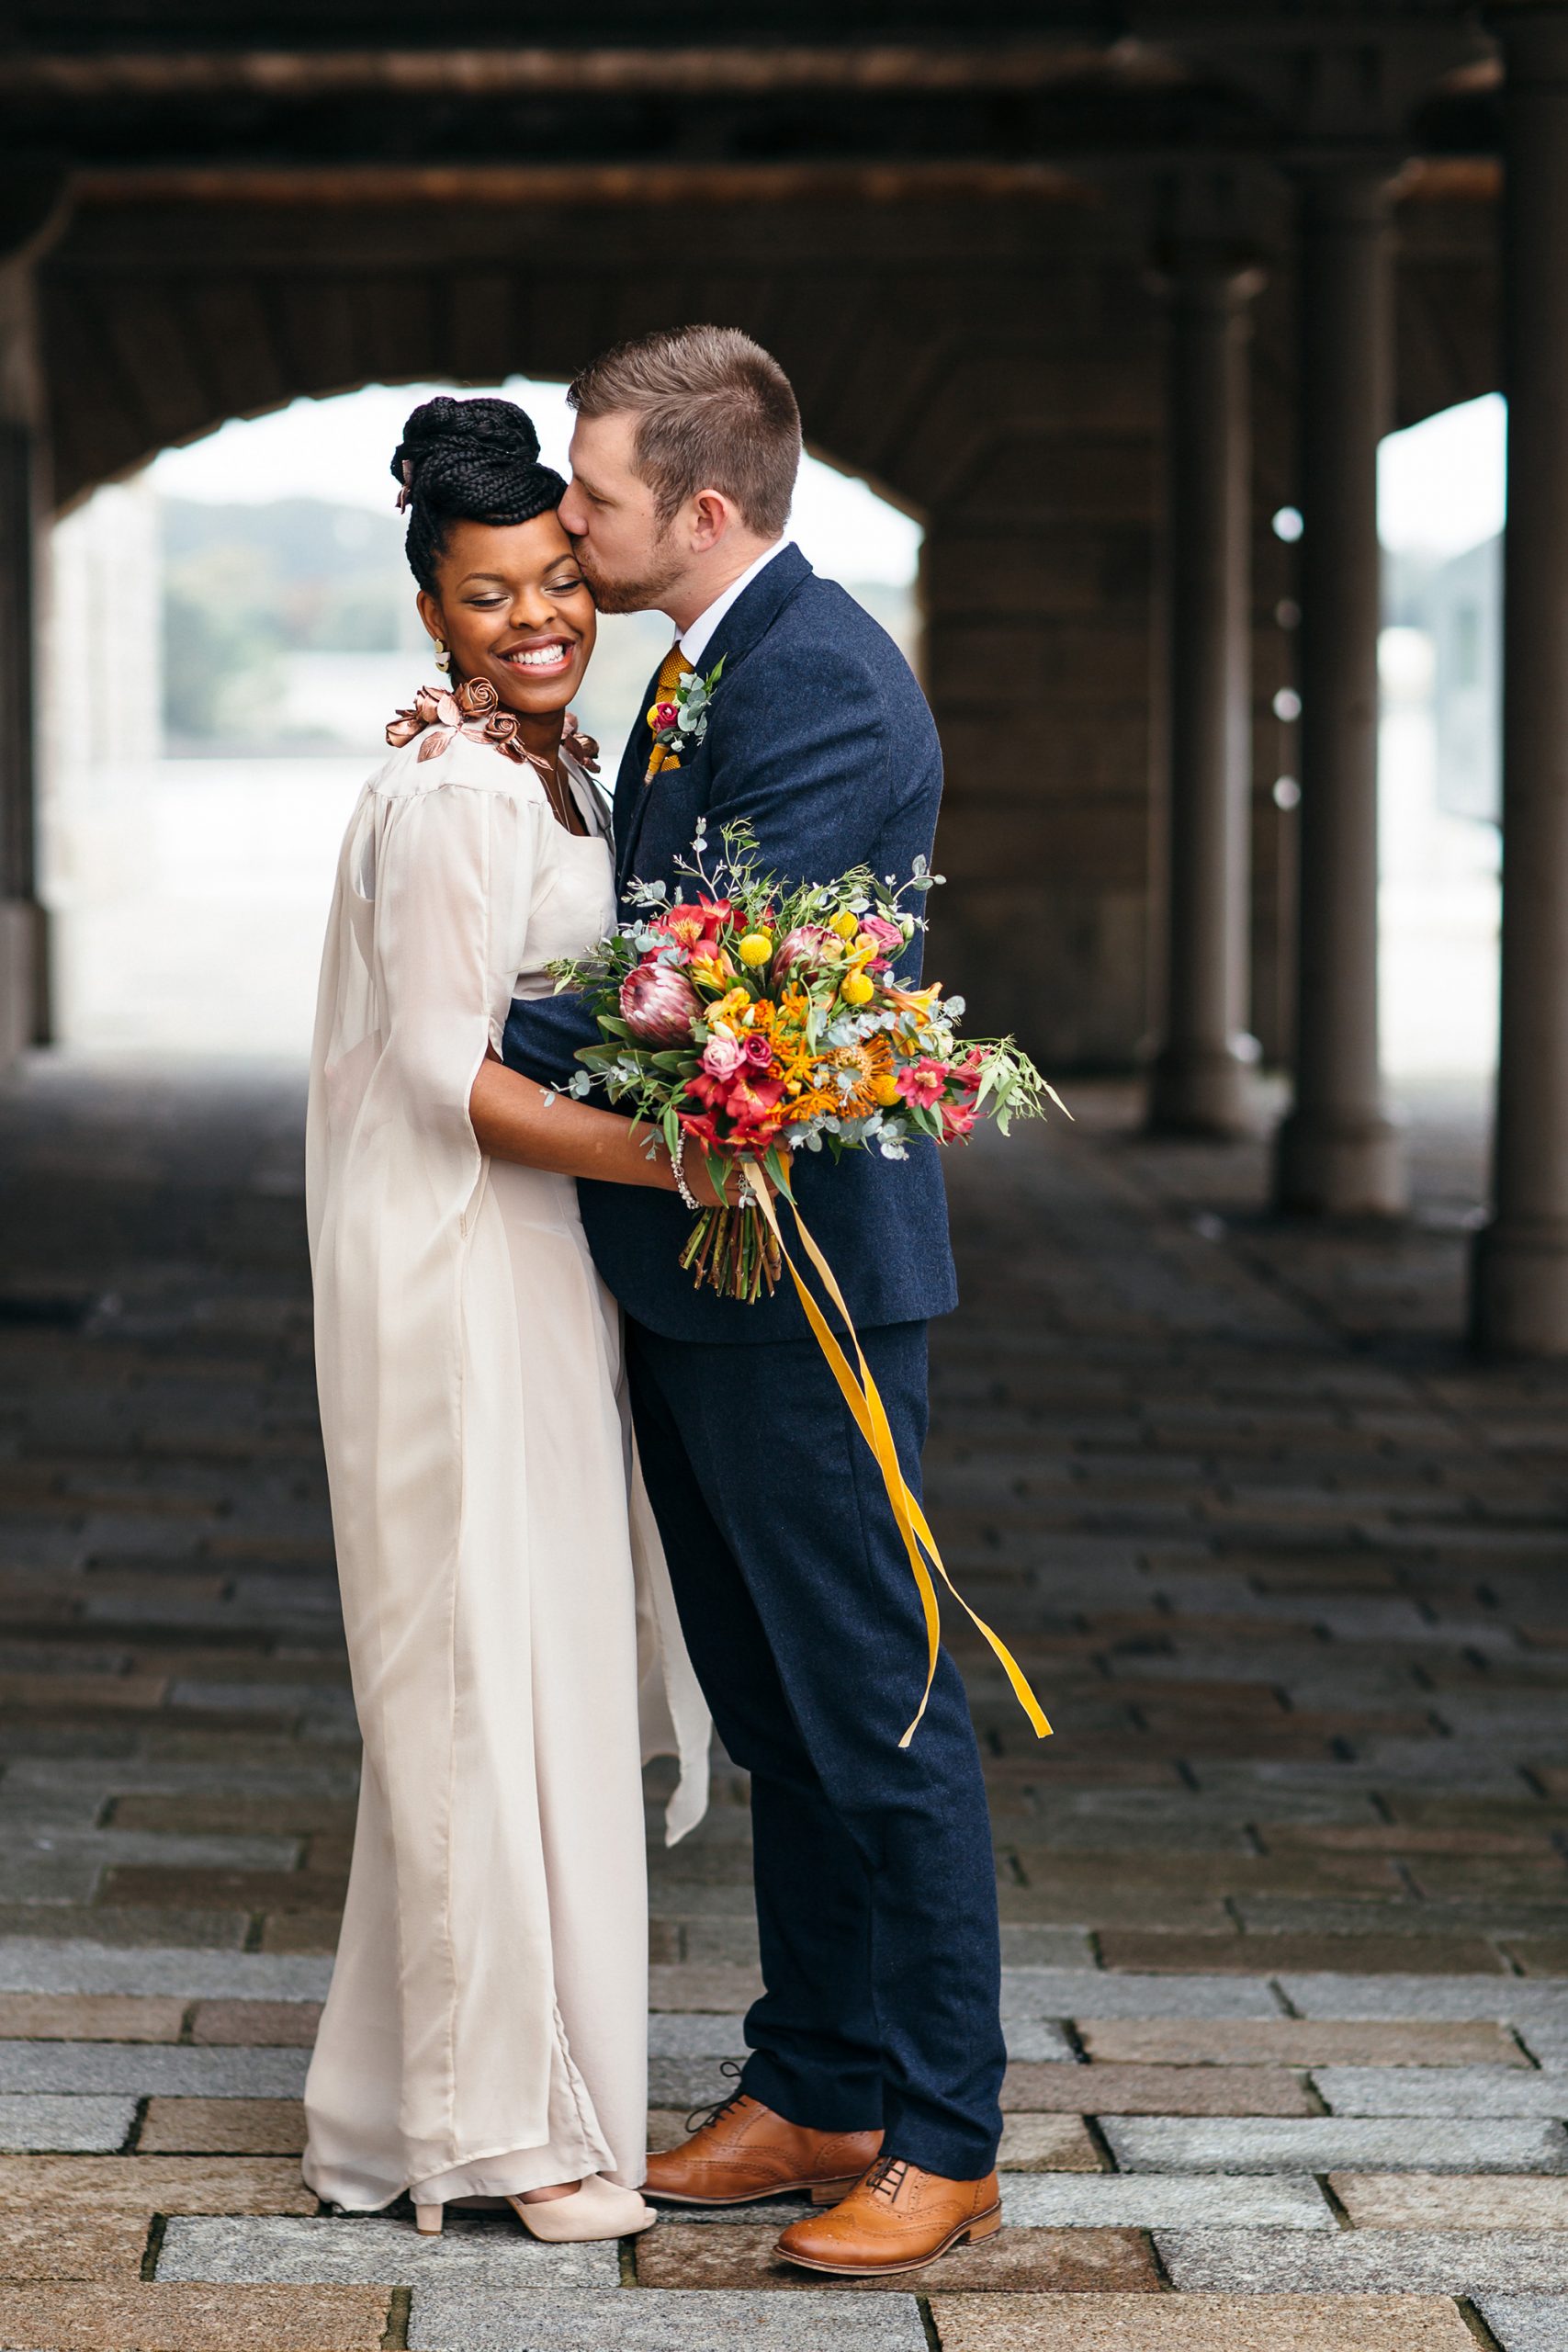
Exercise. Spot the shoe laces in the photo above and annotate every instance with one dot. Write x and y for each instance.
(701, 2118)
(887, 2177)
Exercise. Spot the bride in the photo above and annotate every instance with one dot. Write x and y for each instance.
(514, 1641)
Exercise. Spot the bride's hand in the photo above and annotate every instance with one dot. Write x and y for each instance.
(736, 1190)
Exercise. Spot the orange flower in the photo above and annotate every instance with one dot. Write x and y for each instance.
(864, 1064)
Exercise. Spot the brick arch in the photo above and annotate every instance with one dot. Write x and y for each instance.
(990, 364)
(160, 324)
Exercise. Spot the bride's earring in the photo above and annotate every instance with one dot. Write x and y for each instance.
(443, 659)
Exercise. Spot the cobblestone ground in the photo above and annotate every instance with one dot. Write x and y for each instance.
(1287, 1944)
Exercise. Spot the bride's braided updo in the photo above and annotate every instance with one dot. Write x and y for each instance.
(467, 461)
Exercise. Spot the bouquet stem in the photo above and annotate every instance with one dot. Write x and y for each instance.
(733, 1254)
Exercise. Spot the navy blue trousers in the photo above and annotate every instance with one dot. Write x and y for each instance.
(876, 1902)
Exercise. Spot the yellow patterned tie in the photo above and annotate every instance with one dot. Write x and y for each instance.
(671, 671)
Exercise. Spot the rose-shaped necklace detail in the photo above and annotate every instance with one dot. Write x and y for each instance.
(473, 708)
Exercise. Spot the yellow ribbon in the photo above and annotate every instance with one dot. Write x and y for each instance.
(870, 1415)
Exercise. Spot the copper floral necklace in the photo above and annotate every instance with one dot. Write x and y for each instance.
(473, 708)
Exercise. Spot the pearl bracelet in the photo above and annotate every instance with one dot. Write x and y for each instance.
(677, 1162)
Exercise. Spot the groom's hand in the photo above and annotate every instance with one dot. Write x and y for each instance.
(583, 748)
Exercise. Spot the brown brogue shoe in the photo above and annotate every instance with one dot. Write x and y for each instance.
(897, 2218)
(745, 2151)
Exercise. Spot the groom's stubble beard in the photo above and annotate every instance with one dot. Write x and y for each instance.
(644, 593)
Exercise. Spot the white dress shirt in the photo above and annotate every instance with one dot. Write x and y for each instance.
(693, 641)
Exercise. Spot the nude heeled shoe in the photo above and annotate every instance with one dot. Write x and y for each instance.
(595, 2209)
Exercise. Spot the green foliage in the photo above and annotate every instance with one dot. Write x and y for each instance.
(243, 586)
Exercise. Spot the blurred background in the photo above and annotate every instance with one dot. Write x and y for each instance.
(253, 629)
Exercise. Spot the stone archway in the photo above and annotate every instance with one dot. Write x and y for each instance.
(989, 363)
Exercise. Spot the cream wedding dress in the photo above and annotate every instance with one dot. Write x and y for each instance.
(510, 1630)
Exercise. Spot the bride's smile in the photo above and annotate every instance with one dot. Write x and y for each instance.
(512, 606)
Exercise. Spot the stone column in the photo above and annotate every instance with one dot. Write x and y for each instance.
(1199, 1080)
(32, 210)
(1519, 1297)
(1338, 1150)
(23, 992)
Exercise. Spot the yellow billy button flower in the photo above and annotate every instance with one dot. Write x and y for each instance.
(755, 948)
(846, 925)
(858, 989)
(885, 1092)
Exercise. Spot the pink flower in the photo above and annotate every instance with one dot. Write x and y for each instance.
(759, 1050)
(958, 1120)
(808, 943)
(924, 1082)
(723, 1057)
(665, 714)
(887, 935)
(659, 1005)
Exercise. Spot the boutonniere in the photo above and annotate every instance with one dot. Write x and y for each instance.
(680, 724)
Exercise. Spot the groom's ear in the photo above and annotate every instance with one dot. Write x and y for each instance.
(712, 514)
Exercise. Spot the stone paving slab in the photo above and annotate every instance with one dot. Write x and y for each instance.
(88, 2125)
(1110, 2089)
(126, 1926)
(1297, 2041)
(88, 2017)
(155, 2184)
(1048, 2143)
(1019, 2261)
(1511, 1999)
(239, 2127)
(459, 2319)
(1450, 2201)
(1442, 2091)
(713, 1986)
(270, 2025)
(1527, 2323)
(1199, 2323)
(1082, 1993)
(29, 1965)
(1153, 2202)
(1332, 2143)
(1458, 2262)
(38, 2246)
(1267, 1954)
(472, 2251)
(192, 2319)
(143, 2068)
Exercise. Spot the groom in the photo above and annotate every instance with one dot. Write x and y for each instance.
(876, 2051)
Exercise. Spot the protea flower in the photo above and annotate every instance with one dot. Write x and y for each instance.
(808, 943)
(659, 1004)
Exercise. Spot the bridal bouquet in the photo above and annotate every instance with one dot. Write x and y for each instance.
(750, 1021)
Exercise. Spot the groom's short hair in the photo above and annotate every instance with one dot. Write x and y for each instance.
(714, 412)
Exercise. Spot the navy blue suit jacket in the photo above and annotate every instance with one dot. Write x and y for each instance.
(821, 739)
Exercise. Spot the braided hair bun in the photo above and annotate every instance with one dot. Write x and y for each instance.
(467, 461)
